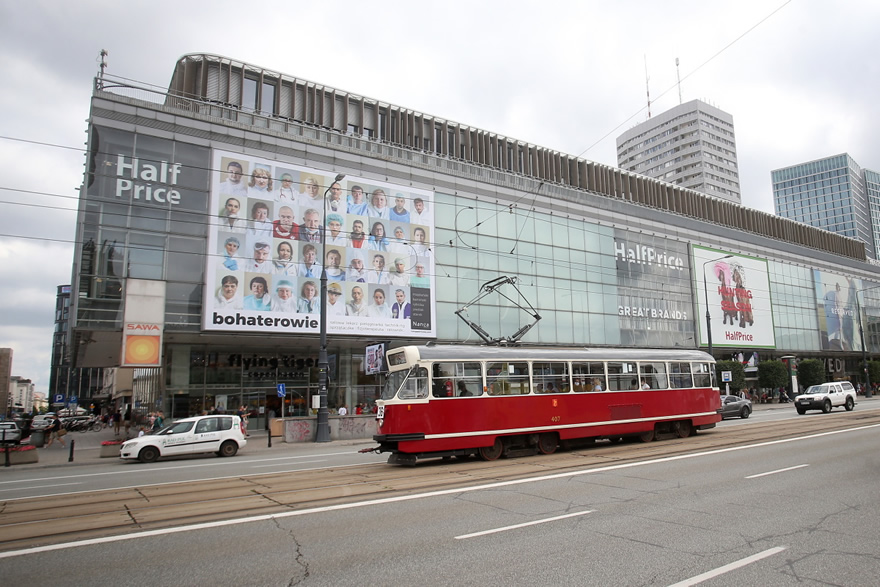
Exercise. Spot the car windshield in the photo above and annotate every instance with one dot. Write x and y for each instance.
(814, 389)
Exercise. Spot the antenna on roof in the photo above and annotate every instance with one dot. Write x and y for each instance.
(647, 87)
(678, 76)
(104, 54)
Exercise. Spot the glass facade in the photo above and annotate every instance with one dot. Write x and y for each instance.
(829, 194)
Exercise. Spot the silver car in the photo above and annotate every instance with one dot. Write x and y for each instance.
(10, 433)
(733, 406)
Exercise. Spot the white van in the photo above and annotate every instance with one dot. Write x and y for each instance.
(826, 396)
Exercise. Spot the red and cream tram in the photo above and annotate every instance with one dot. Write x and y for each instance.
(458, 400)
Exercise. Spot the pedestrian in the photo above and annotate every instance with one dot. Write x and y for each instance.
(56, 432)
(126, 419)
(117, 421)
(158, 421)
(242, 413)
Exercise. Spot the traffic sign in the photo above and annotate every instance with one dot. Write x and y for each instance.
(73, 399)
(58, 398)
(726, 376)
(282, 390)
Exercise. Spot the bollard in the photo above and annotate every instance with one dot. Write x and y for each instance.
(270, 438)
(72, 444)
(7, 463)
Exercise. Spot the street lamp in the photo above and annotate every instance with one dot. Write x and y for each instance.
(706, 293)
(323, 431)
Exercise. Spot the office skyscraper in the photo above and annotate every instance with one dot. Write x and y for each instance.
(691, 145)
(833, 194)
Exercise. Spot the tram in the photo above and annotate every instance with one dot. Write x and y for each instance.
(459, 400)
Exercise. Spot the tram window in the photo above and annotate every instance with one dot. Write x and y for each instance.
(457, 379)
(415, 386)
(701, 375)
(509, 378)
(588, 376)
(550, 378)
(622, 376)
(680, 376)
(654, 374)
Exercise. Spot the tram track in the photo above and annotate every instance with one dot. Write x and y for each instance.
(39, 521)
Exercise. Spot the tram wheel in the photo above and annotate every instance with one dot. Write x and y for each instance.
(684, 429)
(547, 443)
(491, 453)
(647, 436)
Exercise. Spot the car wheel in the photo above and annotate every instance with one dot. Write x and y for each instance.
(148, 454)
(826, 407)
(850, 404)
(228, 449)
(801, 411)
(745, 412)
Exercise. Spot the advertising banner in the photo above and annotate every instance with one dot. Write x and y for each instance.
(837, 307)
(737, 289)
(653, 290)
(272, 233)
(141, 345)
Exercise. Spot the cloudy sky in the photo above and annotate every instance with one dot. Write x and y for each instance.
(799, 77)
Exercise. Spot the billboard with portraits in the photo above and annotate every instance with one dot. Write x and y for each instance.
(275, 226)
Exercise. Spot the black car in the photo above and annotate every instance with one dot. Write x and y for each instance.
(733, 406)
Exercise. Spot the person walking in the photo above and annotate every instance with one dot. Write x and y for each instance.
(56, 432)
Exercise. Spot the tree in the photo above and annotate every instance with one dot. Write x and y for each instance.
(737, 375)
(772, 374)
(873, 371)
(811, 372)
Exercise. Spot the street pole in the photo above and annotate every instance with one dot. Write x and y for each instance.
(323, 430)
(706, 293)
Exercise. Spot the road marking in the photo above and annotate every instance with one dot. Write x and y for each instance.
(776, 471)
(39, 487)
(515, 526)
(218, 463)
(412, 497)
(299, 463)
(730, 567)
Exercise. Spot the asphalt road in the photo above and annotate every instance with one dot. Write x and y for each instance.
(797, 511)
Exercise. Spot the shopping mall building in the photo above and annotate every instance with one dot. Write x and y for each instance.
(208, 210)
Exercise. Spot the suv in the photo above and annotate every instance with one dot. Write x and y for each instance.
(223, 435)
(826, 396)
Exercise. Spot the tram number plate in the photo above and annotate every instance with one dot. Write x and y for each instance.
(380, 413)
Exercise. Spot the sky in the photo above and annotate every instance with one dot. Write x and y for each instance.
(799, 77)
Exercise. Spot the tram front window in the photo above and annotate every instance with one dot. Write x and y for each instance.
(412, 384)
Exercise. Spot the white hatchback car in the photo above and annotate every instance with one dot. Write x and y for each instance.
(223, 435)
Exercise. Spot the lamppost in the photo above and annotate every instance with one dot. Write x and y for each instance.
(323, 432)
(706, 293)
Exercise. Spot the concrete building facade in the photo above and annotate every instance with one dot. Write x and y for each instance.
(692, 145)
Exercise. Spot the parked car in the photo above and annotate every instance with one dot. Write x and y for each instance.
(10, 433)
(221, 434)
(826, 396)
(733, 406)
(42, 421)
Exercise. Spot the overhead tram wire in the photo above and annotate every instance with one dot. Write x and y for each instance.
(692, 72)
(498, 208)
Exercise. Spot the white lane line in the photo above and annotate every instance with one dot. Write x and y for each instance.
(299, 463)
(415, 496)
(137, 467)
(515, 526)
(141, 486)
(727, 568)
(777, 471)
(39, 487)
